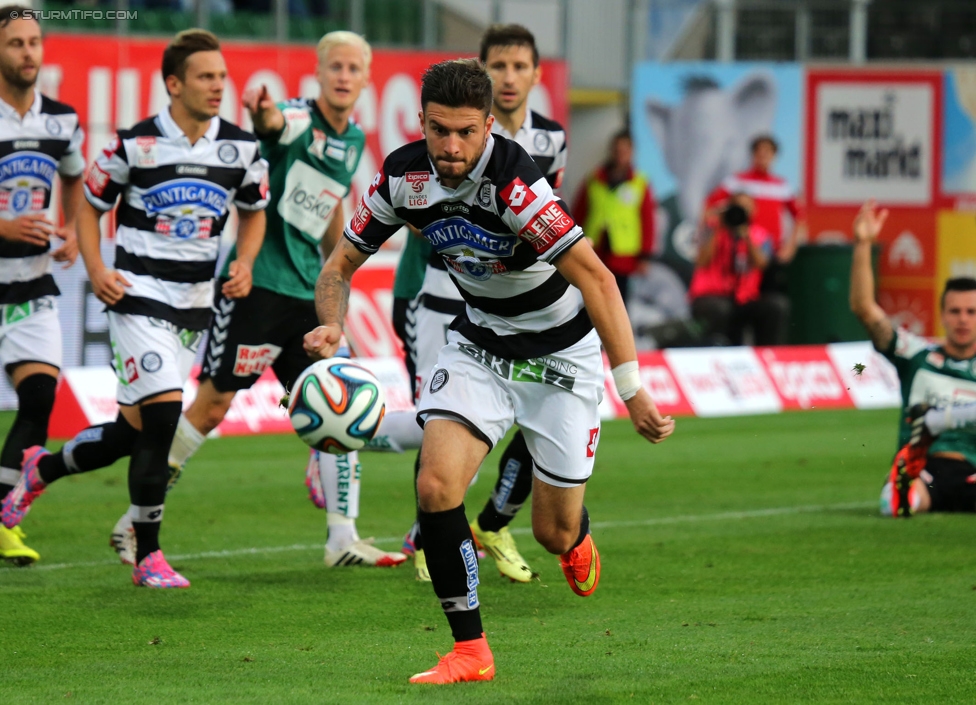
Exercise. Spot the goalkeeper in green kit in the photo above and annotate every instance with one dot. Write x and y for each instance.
(313, 149)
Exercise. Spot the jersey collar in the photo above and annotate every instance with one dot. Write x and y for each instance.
(498, 129)
(8, 111)
(172, 131)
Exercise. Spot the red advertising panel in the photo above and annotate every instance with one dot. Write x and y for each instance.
(805, 377)
(659, 382)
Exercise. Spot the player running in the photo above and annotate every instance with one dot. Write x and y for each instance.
(510, 55)
(313, 149)
(38, 138)
(935, 468)
(177, 174)
(524, 352)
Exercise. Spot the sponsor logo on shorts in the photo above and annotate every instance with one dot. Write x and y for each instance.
(438, 380)
(518, 196)
(542, 370)
(130, 371)
(591, 444)
(254, 359)
(12, 313)
(547, 227)
(151, 362)
(227, 153)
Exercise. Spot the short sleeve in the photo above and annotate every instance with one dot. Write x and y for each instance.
(374, 221)
(107, 176)
(72, 162)
(254, 192)
(529, 207)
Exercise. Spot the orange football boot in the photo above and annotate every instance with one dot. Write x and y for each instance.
(470, 661)
(581, 566)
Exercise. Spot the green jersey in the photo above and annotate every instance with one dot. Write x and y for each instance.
(311, 168)
(411, 268)
(928, 375)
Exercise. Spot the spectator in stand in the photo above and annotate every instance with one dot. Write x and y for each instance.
(773, 198)
(616, 208)
(725, 287)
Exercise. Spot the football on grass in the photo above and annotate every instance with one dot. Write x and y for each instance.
(336, 406)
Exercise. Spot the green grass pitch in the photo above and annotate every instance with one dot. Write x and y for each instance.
(743, 561)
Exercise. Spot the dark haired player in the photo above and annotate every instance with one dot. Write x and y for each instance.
(511, 58)
(39, 138)
(177, 174)
(524, 352)
(935, 468)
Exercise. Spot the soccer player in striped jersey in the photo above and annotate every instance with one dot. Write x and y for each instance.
(527, 349)
(38, 138)
(177, 174)
(510, 55)
(313, 149)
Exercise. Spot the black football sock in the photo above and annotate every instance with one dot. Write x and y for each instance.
(418, 539)
(95, 447)
(35, 399)
(512, 488)
(584, 528)
(149, 473)
(453, 566)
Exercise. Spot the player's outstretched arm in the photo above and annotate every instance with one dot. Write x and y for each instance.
(584, 270)
(867, 225)
(250, 236)
(332, 299)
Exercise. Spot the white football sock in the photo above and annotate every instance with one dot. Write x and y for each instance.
(340, 483)
(342, 532)
(398, 432)
(186, 442)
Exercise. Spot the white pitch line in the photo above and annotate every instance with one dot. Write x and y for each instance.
(654, 521)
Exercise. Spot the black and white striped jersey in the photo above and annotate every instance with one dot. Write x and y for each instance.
(46, 140)
(498, 233)
(175, 201)
(545, 141)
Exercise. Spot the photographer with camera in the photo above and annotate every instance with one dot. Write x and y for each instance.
(725, 287)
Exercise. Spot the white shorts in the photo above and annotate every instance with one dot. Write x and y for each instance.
(150, 355)
(431, 331)
(554, 399)
(30, 332)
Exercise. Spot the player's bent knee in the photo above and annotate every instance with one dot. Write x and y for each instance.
(435, 494)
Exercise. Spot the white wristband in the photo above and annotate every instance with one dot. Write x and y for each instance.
(626, 377)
